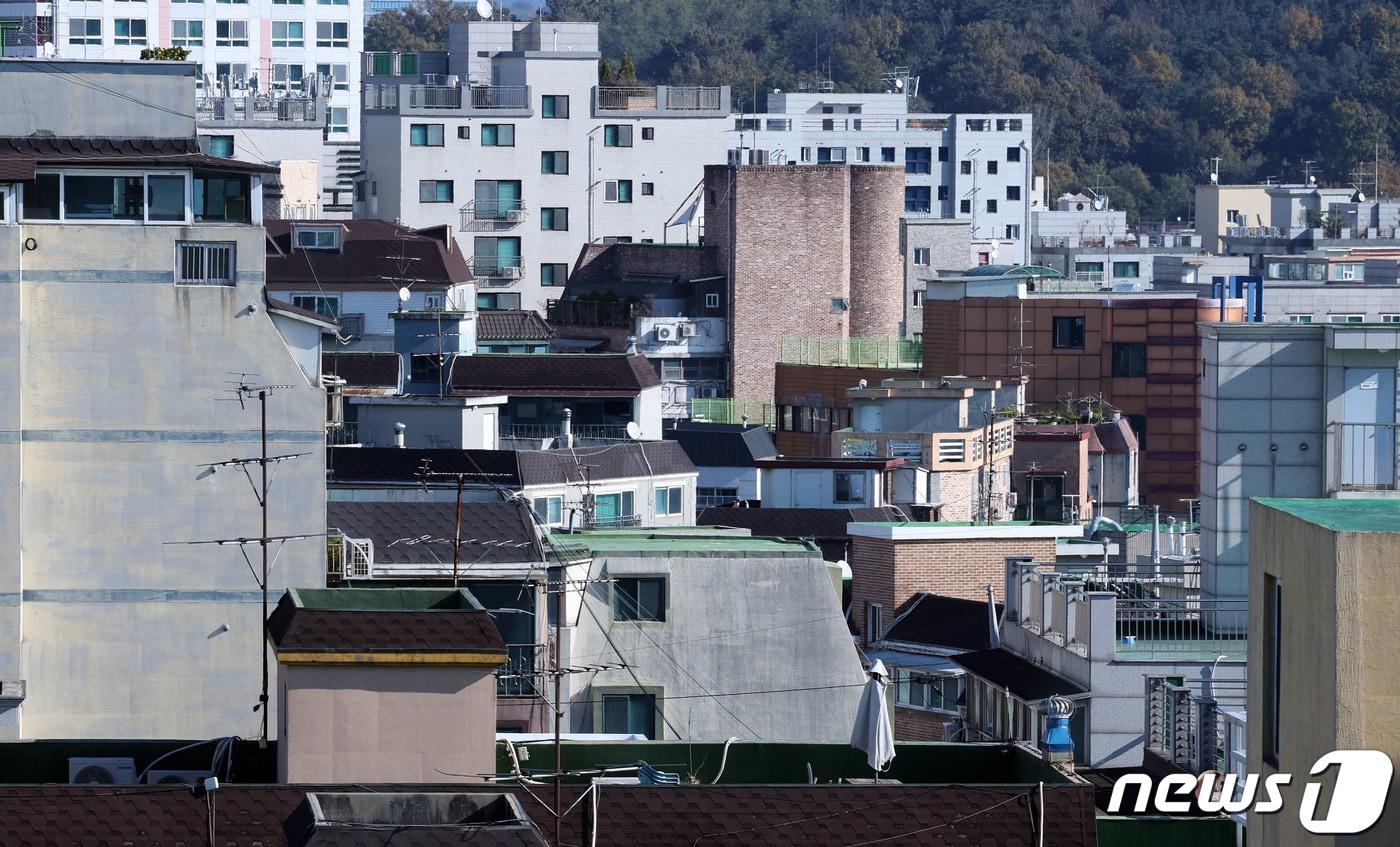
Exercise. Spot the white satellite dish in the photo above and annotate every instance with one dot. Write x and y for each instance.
(483, 8)
(634, 432)
(48, 50)
(403, 295)
(899, 85)
(1098, 204)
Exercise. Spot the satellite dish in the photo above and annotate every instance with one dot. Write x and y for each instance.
(899, 85)
(1214, 178)
(634, 432)
(1098, 204)
(48, 50)
(483, 8)
(403, 295)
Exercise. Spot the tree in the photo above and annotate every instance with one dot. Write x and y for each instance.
(605, 72)
(1298, 26)
(421, 26)
(1351, 135)
(627, 72)
(170, 54)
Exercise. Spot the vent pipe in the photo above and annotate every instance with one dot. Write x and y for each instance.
(567, 429)
(399, 429)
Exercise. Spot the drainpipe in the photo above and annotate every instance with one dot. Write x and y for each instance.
(1156, 530)
(399, 429)
(567, 430)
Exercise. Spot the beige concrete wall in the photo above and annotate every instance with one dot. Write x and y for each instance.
(384, 723)
(1214, 202)
(1340, 671)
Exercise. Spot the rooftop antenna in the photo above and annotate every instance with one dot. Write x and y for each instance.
(1214, 170)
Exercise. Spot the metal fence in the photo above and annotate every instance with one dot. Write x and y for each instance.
(864, 352)
(731, 410)
(1168, 626)
(1364, 456)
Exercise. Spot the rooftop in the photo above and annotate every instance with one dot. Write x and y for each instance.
(819, 524)
(363, 370)
(648, 542)
(1342, 515)
(419, 533)
(1026, 680)
(20, 156)
(371, 255)
(381, 621)
(511, 325)
(720, 444)
(553, 374)
(936, 621)
(394, 466)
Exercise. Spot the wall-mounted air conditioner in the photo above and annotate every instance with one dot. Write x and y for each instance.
(512, 272)
(665, 332)
(515, 216)
(689, 330)
(154, 777)
(84, 770)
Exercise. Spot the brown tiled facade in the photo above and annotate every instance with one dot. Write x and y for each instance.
(818, 387)
(982, 334)
(890, 572)
(788, 238)
(918, 725)
(1052, 453)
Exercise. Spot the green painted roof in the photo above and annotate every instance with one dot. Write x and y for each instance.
(1013, 270)
(951, 524)
(1375, 515)
(689, 543)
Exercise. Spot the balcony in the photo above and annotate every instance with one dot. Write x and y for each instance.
(588, 432)
(492, 214)
(260, 109)
(674, 100)
(1364, 458)
(496, 270)
(344, 434)
(939, 451)
(459, 99)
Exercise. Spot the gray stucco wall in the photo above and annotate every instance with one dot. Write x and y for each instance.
(72, 98)
(119, 387)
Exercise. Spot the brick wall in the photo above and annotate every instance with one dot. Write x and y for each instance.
(890, 572)
(877, 269)
(918, 725)
(824, 386)
(1049, 453)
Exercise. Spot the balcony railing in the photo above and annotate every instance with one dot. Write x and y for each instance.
(1200, 627)
(520, 675)
(492, 213)
(260, 107)
(661, 98)
(870, 352)
(342, 434)
(1364, 457)
(389, 96)
(496, 267)
(615, 432)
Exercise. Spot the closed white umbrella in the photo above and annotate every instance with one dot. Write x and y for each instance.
(873, 731)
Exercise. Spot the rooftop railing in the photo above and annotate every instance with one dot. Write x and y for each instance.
(660, 98)
(1167, 627)
(1364, 457)
(864, 352)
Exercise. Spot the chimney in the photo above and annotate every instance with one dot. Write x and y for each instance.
(1057, 745)
(566, 432)
(399, 429)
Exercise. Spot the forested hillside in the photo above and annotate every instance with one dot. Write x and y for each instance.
(1131, 97)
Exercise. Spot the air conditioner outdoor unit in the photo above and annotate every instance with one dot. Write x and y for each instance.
(515, 216)
(665, 332)
(154, 777)
(101, 771)
(512, 272)
(689, 330)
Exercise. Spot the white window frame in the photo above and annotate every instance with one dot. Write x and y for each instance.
(313, 297)
(712, 300)
(232, 39)
(323, 238)
(8, 214)
(129, 39)
(905, 682)
(1297, 318)
(288, 40)
(146, 205)
(923, 256)
(551, 501)
(1346, 318)
(333, 40)
(1390, 318)
(187, 40)
(88, 37)
(680, 500)
(227, 248)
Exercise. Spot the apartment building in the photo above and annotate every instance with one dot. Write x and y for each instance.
(973, 167)
(511, 138)
(1220, 208)
(254, 51)
(113, 225)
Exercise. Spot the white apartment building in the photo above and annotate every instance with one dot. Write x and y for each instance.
(244, 48)
(518, 146)
(972, 167)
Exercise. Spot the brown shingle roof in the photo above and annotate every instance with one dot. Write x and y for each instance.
(363, 370)
(374, 255)
(20, 156)
(511, 325)
(298, 628)
(554, 374)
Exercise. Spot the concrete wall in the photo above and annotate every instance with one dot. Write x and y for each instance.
(118, 382)
(46, 97)
(450, 423)
(643, 497)
(815, 488)
(801, 643)
(380, 723)
(1321, 301)
(1215, 202)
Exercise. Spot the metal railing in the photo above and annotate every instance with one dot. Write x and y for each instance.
(867, 352)
(619, 521)
(1364, 456)
(615, 432)
(492, 211)
(260, 107)
(1255, 232)
(495, 267)
(666, 98)
(520, 676)
(732, 411)
(1079, 282)
(204, 263)
(342, 434)
(1202, 627)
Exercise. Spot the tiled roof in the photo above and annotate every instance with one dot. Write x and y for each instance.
(717, 445)
(391, 465)
(20, 156)
(1116, 436)
(938, 621)
(373, 255)
(511, 325)
(553, 375)
(298, 628)
(623, 460)
(283, 306)
(363, 370)
(1026, 680)
(662, 816)
(495, 532)
(794, 523)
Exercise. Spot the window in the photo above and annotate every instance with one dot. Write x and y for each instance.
(1298, 319)
(129, 31)
(965, 207)
(85, 30)
(498, 135)
(862, 154)
(617, 135)
(1068, 333)
(1346, 319)
(425, 135)
(668, 501)
(648, 189)
(612, 508)
(887, 154)
(203, 263)
(288, 34)
(830, 155)
(326, 307)
(230, 33)
(554, 162)
(874, 621)
(496, 256)
(550, 510)
(992, 206)
(942, 192)
(923, 256)
(806, 155)
(707, 497)
(1013, 192)
(553, 274)
(916, 199)
(554, 218)
(165, 197)
(498, 301)
(434, 191)
(918, 298)
(991, 166)
(332, 34)
(965, 166)
(289, 2)
(222, 198)
(648, 133)
(339, 75)
(324, 238)
(918, 160)
(464, 132)
(1013, 231)
(1232, 216)
(617, 191)
(88, 197)
(425, 368)
(839, 305)
(638, 598)
(1088, 267)
(332, 2)
(1273, 665)
(942, 154)
(286, 75)
(1013, 154)
(187, 33)
(1390, 318)
(496, 199)
(1126, 269)
(848, 486)
(337, 119)
(554, 106)
(934, 692)
(1129, 359)
(712, 300)
(630, 714)
(221, 146)
(230, 70)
